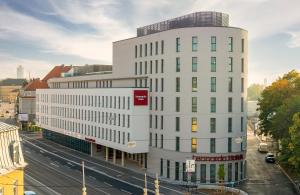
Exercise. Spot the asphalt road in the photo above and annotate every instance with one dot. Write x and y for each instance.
(264, 178)
(59, 167)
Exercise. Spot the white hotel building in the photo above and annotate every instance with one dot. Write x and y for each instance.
(177, 91)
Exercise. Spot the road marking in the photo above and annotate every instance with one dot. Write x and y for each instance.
(27, 152)
(126, 191)
(108, 184)
(70, 164)
(42, 152)
(92, 177)
(40, 183)
(54, 164)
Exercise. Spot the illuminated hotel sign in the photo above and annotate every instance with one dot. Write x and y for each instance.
(140, 97)
(219, 158)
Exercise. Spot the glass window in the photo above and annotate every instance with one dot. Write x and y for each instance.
(194, 104)
(177, 44)
(145, 49)
(135, 49)
(229, 144)
(230, 84)
(243, 45)
(229, 172)
(161, 167)
(230, 104)
(177, 144)
(194, 64)
(135, 69)
(194, 175)
(156, 103)
(161, 141)
(141, 50)
(212, 173)
(184, 173)
(177, 123)
(156, 66)
(242, 84)
(230, 64)
(161, 122)
(156, 47)
(162, 46)
(236, 171)
(194, 84)
(230, 44)
(194, 43)
(213, 84)
(150, 139)
(212, 125)
(141, 67)
(155, 122)
(162, 84)
(194, 124)
(151, 48)
(150, 85)
(162, 65)
(177, 64)
(156, 140)
(213, 64)
(161, 103)
(156, 85)
(177, 104)
(229, 124)
(203, 173)
(168, 169)
(212, 145)
(177, 84)
(146, 68)
(242, 124)
(212, 104)
(213, 43)
(242, 65)
(177, 171)
(194, 145)
(242, 104)
(150, 121)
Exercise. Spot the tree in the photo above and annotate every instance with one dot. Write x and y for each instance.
(294, 145)
(254, 91)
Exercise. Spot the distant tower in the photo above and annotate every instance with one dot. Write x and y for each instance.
(265, 82)
(20, 72)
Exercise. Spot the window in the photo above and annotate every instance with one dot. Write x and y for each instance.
(212, 125)
(168, 169)
(243, 45)
(151, 67)
(230, 44)
(162, 66)
(177, 84)
(161, 103)
(162, 122)
(229, 144)
(230, 64)
(212, 173)
(230, 84)
(229, 172)
(141, 47)
(150, 86)
(212, 145)
(184, 173)
(230, 104)
(145, 49)
(162, 46)
(213, 43)
(213, 64)
(194, 64)
(141, 67)
(135, 69)
(177, 64)
(242, 85)
(194, 175)
(242, 104)
(194, 124)
(212, 104)
(150, 102)
(242, 65)
(177, 171)
(242, 124)
(236, 171)
(155, 122)
(229, 124)
(156, 100)
(177, 104)
(151, 48)
(177, 44)
(203, 173)
(177, 123)
(162, 84)
(146, 67)
(135, 49)
(150, 139)
(156, 85)
(161, 141)
(213, 83)
(194, 145)
(156, 47)
(194, 104)
(161, 167)
(194, 43)
(156, 140)
(177, 144)
(156, 66)
(194, 84)
(150, 121)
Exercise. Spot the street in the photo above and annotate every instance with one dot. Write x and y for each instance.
(264, 178)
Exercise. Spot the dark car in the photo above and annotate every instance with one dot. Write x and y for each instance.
(270, 158)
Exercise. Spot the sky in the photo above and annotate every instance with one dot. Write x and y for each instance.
(40, 34)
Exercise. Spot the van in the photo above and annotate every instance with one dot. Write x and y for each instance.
(263, 147)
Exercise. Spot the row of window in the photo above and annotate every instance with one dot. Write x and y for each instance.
(143, 67)
(200, 174)
(143, 50)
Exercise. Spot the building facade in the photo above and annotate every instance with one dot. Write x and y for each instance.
(195, 70)
(20, 72)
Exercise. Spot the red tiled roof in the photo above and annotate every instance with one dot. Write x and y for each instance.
(36, 84)
(56, 72)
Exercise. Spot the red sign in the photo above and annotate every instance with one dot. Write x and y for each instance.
(140, 97)
(219, 158)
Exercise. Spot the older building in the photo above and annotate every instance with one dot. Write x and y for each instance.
(11, 162)
(192, 73)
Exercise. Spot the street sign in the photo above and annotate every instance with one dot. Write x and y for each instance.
(190, 166)
(131, 144)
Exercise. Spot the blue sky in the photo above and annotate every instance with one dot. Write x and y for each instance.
(40, 34)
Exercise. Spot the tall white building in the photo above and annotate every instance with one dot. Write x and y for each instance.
(20, 72)
(191, 70)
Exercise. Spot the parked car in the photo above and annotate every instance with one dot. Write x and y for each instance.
(262, 147)
(29, 193)
(270, 157)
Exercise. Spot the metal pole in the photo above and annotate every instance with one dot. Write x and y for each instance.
(83, 180)
(145, 189)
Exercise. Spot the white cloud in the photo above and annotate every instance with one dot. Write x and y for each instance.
(295, 39)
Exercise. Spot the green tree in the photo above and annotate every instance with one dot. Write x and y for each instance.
(221, 172)
(254, 91)
(294, 144)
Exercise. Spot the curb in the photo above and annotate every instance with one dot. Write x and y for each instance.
(291, 180)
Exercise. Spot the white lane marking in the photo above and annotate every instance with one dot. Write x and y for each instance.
(40, 183)
(70, 164)
(92, 177)
(126, 191)
(159, 185)
(107, 184)
(75, 156)
(41, 151)
(27, 152)
(97, 171)
(54, 164)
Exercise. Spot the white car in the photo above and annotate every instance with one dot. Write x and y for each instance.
(29, 193)
(262, 147)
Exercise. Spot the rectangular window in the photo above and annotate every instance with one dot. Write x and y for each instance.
(141, 50)
(156, 47)
(229, 172)
(242, 85)
(168, 169)
(150, 121)
(213, 64)
(242, 124)
(230, 104)
(230, 64)
(162, 122)
(242, 65)
(177, 44)
(229, 144)
(229, 124)
(145, 49)
(213, 104)
(156, 66)
(150, 139)
(156, 103)
(236, 171)
(150, 103)
(230, 84)
(194, 145)
(194, 104)
(184, 173)
(162, 84)
(141, 67)
(135, 69)
(156, 140)
(177, 144)
(242, 104)
(212, 173)
(135, 49)
(194, 64)
(194, 84)
(161, 141)
(155, 122)
(161, 103)
(151, 48)
(151, 66)
(243, 45)
(212, 125)
(161, 167)
(177, 171)
(230, 44)
(150, 85)
(156, 85)
(177, 123)
(177, 64)
(162, 46)
(203, 173)
(213, 43)
(213, 84)
(194, 124)
(146, 67)
(212, 145)
(177, 104)
(194, 175)
(177, 84)
(194, 43)
(162, 66)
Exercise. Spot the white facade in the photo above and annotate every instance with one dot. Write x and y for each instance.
(206, 120)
